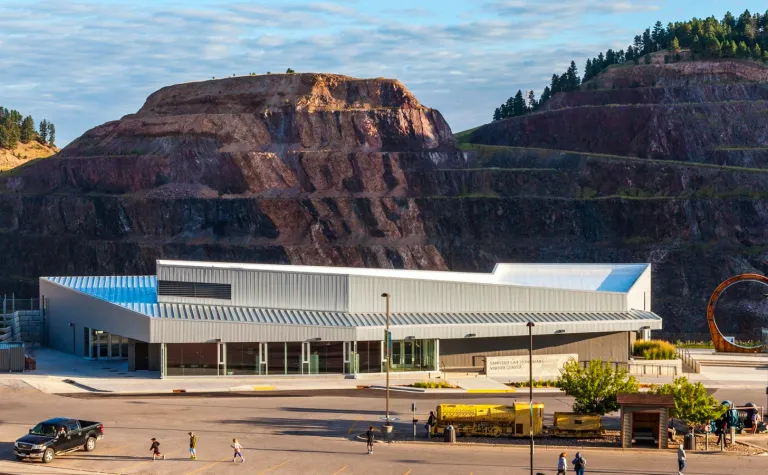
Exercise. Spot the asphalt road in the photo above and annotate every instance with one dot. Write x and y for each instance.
(296, 435)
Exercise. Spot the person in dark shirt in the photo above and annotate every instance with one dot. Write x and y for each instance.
(155, 448)
(369, 438)
(430, 423)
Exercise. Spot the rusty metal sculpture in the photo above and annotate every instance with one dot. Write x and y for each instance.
(721, 344)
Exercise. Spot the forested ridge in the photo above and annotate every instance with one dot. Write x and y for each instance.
(15, 128)
(744, 37)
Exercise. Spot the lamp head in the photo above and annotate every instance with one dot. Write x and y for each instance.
(385, 295)
(530, 324)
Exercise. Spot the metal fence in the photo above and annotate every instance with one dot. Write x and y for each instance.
(12, 304)
(640, 368)
(689, 361)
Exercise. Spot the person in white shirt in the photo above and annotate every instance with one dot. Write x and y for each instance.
(238, 450)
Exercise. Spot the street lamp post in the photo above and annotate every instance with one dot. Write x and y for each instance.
(530, 385)
(386, 352)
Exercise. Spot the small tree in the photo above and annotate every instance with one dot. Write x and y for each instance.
(596, 386)
(674, 45)
(43, 131)
(290, 71)
(692, 403)
(27, 129)
(51, 134)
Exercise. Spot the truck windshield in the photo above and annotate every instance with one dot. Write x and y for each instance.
(44, 429)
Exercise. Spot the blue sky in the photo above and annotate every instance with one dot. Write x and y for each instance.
(82, 63)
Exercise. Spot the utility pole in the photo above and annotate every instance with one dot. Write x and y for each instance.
(530, 385)
(387, 340)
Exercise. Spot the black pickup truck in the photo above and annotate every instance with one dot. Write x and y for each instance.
(58, 436)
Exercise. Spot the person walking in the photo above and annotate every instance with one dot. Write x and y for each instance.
(562, 464)
(755, 421)
(722, 429)
(155, 448)
(238, 451)
(680, 459)
(369, 439)
(430, 423)
(579, 463)
(192, 446)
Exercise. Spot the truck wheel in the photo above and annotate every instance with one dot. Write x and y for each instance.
(19, 458)
(90, 444)
(48, 456)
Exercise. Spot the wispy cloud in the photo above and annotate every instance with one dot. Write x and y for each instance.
(83, 63)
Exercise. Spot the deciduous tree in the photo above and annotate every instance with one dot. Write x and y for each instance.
(595, 387)
(692, 402)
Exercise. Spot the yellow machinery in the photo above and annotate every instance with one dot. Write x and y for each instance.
(489, 420)
(570, 424)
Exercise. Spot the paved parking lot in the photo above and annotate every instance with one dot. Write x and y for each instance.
(291, 435)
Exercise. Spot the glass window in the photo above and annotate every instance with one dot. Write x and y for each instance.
(243, 358)
(293, 358)
(370, 356)
(191, 359)
(94, 339)
(115, 344)
(103, 348)
(86, 346)
(326, 357)
(124, 348)
(276, 358)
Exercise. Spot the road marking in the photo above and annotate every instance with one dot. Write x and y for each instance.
(337, 472)
(353, 424)
(205, 467)
(273, 467)
(406, 473)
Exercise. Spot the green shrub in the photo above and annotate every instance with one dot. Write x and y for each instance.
(655, 350)
(538, 383)
(433, 384)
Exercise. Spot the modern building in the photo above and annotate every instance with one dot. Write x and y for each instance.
(218, 319)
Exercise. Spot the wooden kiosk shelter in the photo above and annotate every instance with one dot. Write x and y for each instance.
(644, 417)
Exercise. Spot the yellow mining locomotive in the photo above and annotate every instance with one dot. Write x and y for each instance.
(489, 420)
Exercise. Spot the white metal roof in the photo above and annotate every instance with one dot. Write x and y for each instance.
(590, 277)
(138, 294)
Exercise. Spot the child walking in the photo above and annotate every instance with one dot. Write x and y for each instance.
(369, 438)
(192, 446)
(238, 451)
(155, 448)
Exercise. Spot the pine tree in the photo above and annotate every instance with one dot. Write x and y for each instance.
(658, 36)
(51, 134)
(696, 44)
(630, 53)
(43, 131)
(12, 134)
(519, 106)
(497, 114)
(757, 52)
(610, 58)
(588, 70)
(742, 51)
(546, 94)
(674, 45)
(27, 129)
(647, 41)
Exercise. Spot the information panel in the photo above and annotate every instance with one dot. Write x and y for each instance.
(516, 367)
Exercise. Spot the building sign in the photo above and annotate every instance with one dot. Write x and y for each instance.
(516, 367)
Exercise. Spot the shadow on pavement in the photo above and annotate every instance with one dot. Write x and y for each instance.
(311, 427)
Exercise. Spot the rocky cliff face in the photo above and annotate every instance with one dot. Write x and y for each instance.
(324, 169)
(663, 163)
(300, 168)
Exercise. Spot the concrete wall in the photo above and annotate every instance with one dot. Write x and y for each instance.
(65, 306)
(466, 352)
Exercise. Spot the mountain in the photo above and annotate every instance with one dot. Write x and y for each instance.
(660, 162)
(285, 168)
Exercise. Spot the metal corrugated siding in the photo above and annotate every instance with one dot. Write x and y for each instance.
(272, 289)
(439, 296)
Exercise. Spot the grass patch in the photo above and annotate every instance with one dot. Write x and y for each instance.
(655, 350)
(463, 136)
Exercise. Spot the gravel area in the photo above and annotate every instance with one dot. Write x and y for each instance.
(732, 448)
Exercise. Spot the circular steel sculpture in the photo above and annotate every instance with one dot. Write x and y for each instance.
(719, 341)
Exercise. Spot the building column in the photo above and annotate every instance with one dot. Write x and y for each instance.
(163, 361)
(437, 354)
